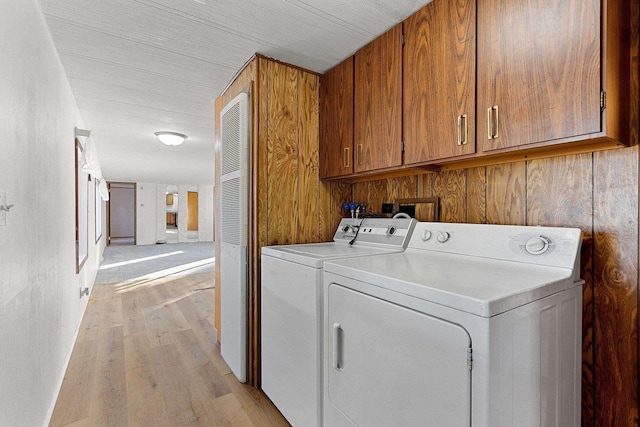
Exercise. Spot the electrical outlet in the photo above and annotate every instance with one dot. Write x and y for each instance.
(3, 202)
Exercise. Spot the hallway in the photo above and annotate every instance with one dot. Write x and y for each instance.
(146, 353)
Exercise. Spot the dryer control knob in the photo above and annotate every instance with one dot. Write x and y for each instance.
(443, 236)
(426, 235)
(537, 245)
(391, 231)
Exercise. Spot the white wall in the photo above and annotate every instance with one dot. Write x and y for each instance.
(205, 213)
(151, 212)
(40, 304)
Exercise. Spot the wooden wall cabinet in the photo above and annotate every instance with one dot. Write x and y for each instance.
(378, 103)
(544, 79)
(439, 69)
(336, 121)
(542, 67)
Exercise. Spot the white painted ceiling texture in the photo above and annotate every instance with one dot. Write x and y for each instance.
(140, 66)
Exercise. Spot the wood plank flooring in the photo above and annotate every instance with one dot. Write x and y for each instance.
(147, 355)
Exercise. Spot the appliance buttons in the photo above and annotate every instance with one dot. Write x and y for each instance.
(443, 236)
(537, 245)
(426, 235)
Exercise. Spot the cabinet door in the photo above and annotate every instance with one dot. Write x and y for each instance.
(336, 121)
(439, 81)
(538, 71)
(378, 103)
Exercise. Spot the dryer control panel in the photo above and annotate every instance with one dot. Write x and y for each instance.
(550, 246)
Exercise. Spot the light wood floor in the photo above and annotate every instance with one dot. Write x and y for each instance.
(146, 355)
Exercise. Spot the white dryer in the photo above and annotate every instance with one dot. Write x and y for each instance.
(472, 325)
(291, 310)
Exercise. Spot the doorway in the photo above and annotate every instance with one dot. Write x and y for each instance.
(171, 228)
(122, 213)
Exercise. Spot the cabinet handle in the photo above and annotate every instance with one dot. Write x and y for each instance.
(359, 154)
(492, 122)
(346, 157)
(463, 129)
(337, 354)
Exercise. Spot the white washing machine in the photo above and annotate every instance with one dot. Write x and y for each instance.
(291, 310)
(472, 325)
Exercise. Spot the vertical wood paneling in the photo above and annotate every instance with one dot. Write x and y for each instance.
(425, 185)
(341, 192)
(450, 187)
(560, 194)
(616, 286)
(402, 188)
(377, 196)
(259, 223)
(260, 154)
(282, 152)
(476, 195)
(361, 192)
(506, 194)
(309, 181)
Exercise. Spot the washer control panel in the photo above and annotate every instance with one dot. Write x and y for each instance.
(386, 231)
(347, 229)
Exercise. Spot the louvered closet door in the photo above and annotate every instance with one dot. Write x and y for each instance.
(234, 225)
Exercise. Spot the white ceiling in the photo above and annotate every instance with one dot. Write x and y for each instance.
(140, 66)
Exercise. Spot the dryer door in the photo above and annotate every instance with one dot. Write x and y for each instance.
(389, 365)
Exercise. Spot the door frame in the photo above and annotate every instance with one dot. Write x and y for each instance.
(135, 211)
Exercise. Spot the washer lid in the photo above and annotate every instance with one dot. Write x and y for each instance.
(481, 286)
(315, 254)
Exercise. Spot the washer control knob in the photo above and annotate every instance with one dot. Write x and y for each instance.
(426, 235)
(391, 231)
(346, 228)
(537, 245)
(443, 236)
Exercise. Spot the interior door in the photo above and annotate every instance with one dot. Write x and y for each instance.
(391, 366)
(122, 214)
(192, 211)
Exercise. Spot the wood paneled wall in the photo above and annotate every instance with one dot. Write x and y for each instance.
(289, 204)
(596, 192)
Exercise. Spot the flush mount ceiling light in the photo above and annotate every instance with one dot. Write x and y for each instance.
(171, 138)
